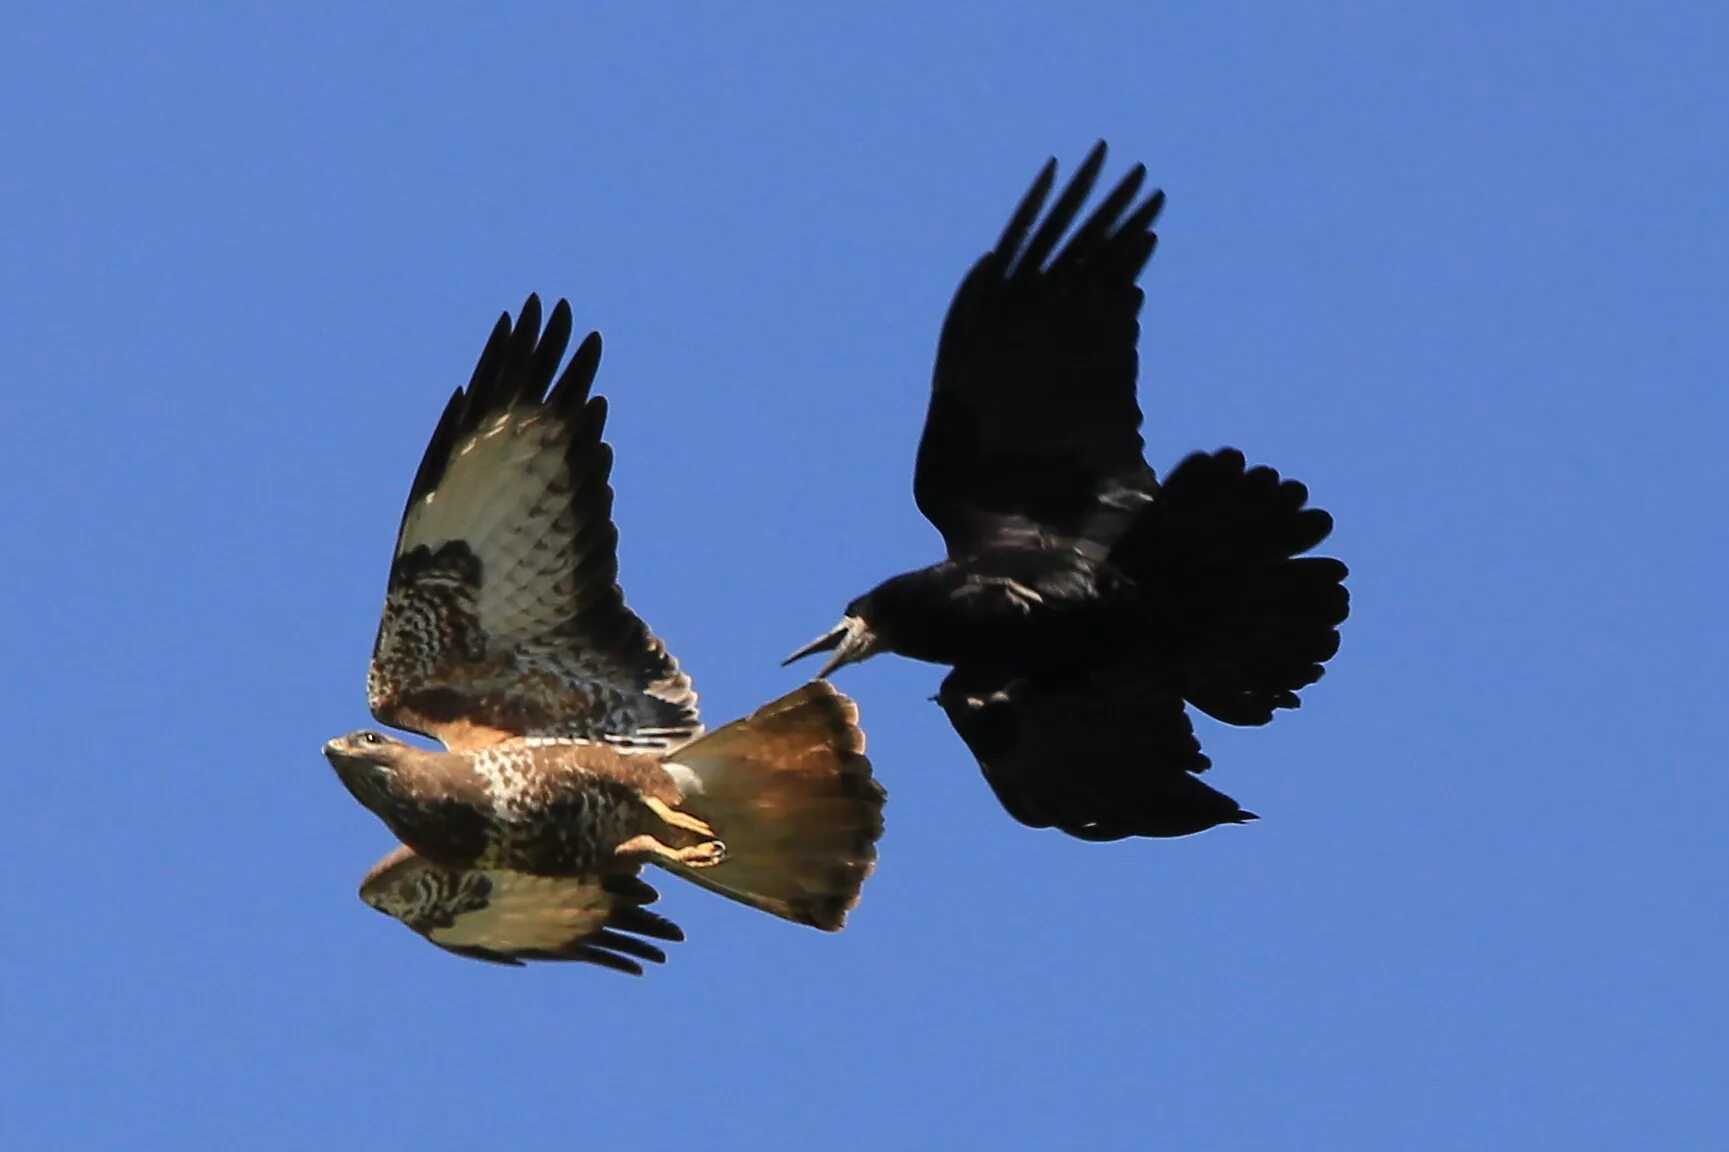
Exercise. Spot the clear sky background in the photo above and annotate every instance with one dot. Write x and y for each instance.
(1460, 268)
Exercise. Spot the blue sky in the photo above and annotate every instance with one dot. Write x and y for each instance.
(1460, 269)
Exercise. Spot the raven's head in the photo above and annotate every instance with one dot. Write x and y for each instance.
(902, 615)
(852, 640)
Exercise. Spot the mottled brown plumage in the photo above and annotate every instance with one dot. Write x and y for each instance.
(573, 749)
(550, 809)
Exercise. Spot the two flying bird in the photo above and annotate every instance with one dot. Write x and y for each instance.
(1081, 606)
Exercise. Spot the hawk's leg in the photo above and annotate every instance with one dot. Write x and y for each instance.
(704, 855)
(673, 818)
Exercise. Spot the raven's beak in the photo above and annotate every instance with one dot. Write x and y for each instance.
(851, 641)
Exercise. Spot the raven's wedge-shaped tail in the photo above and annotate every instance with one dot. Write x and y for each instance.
(789, 791)
(1250, 618)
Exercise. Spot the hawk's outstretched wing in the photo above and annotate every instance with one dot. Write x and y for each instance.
(511, 917)
(1113, 755)
(503, 615)
(1033, 434)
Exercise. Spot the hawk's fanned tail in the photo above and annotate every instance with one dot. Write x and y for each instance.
(790, 792)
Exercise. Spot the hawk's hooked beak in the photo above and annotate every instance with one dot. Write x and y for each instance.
(851, 639)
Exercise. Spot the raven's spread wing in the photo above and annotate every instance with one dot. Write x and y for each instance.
(1108, 757)
(511, 917)
(1033, 434)
(503, 615)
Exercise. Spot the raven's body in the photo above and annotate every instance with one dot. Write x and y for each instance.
(1016, 610)
(1082, 603)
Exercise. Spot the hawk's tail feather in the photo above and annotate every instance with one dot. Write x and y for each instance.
(790, 792)
(1253, 618)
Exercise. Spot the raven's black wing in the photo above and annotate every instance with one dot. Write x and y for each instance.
(1111, 756)
(1033, 434)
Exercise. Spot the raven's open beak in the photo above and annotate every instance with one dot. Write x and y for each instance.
(851, 641)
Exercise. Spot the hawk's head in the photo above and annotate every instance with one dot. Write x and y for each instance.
(367, 763)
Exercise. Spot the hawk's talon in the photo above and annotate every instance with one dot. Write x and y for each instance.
(704, 855)
(673, 818)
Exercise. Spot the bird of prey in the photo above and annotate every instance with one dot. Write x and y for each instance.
(573, 753)
(1082, 603)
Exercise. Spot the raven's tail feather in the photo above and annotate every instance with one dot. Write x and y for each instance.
(1252, 619)
(789, 791)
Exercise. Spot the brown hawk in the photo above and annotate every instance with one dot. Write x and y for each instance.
(573, 750)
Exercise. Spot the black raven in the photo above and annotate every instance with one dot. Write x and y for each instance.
(1082, 603)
